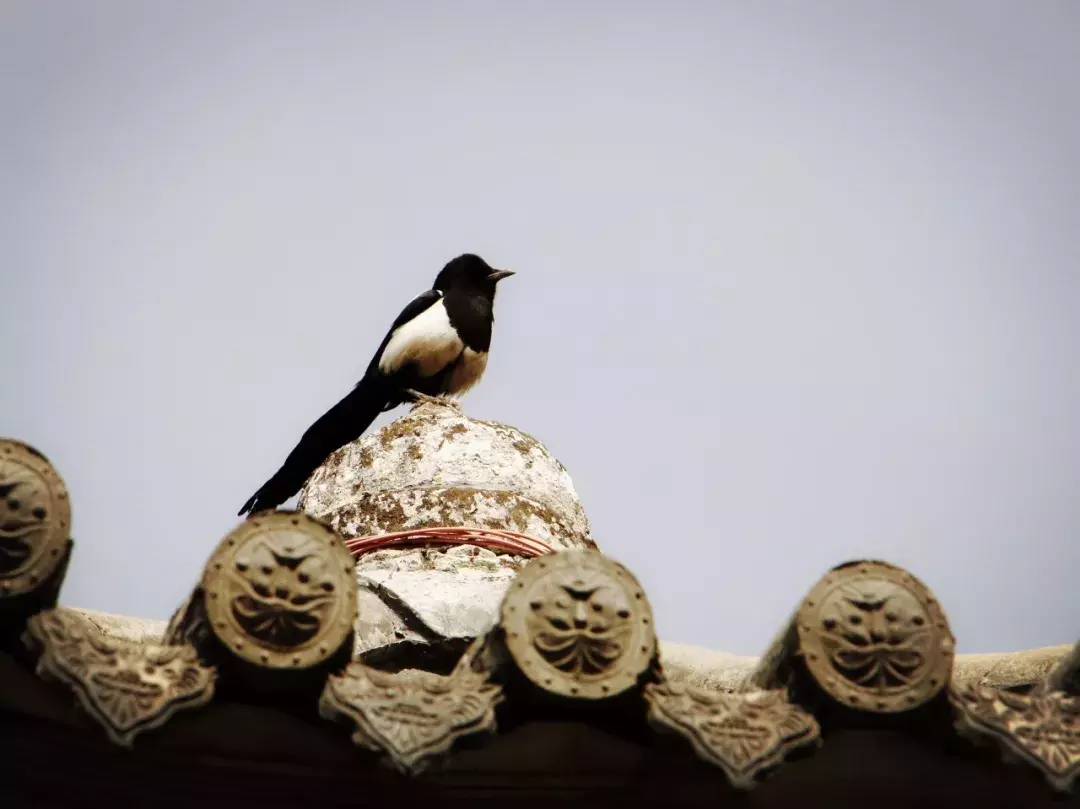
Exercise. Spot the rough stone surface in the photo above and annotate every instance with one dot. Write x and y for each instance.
(1008, 670)
(140, 630)
(437, 467)
(451, 593)
(714, 670)
(707, 669)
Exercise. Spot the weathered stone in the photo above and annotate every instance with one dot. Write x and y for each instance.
(377, 625)
(436, 467)
(1008, 670)
(452, 593)
(705, 668)
(124, 627)
(387, 512)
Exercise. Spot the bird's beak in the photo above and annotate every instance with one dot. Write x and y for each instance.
(498, 275)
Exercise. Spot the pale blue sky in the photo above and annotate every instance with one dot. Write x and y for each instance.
(797, 282)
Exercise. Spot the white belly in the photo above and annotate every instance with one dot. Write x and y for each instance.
(467, 372)
(428, 341)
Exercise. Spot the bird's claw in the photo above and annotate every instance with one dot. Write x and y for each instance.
(420, 399)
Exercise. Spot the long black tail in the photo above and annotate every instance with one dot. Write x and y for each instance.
(342, 423)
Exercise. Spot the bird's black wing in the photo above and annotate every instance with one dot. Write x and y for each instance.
(342, 423)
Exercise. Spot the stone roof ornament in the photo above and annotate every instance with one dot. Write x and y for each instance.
(127, 688)
(35, 530)
(276, 604)
(873, 637)
(478, 609)
(414, 716)
(437, 471)
(869, 636)
(745, 735)
(436, 467)
(1041, 727)
(578, 624)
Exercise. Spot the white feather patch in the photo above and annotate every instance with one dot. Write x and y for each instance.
(468, 371)
(428, 341)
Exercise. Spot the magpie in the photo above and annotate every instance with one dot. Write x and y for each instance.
(437, 347)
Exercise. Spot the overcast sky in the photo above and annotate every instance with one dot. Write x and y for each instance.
(797, 282)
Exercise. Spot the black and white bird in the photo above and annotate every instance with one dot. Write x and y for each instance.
(437, 347)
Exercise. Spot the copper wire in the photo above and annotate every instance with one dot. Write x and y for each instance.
(509, 541)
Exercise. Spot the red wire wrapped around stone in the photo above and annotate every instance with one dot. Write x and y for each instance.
(494, 539)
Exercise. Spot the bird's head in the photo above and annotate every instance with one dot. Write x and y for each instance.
(470, 273)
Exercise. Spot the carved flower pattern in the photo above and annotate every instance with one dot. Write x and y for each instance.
(580, 623)
(281, 595)
(279, 591)
(1042, 728)
(873, 637)
(127, 687)
(34, 517)
(412, 715)
(577, 624)
(743, 734)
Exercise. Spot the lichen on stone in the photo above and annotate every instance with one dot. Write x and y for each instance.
(436, 467)
(451, 432)
(367, 457)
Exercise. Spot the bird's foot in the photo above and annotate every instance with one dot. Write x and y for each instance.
(439, 401)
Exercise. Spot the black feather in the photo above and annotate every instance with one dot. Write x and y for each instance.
(342, 423)
(466, 287)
